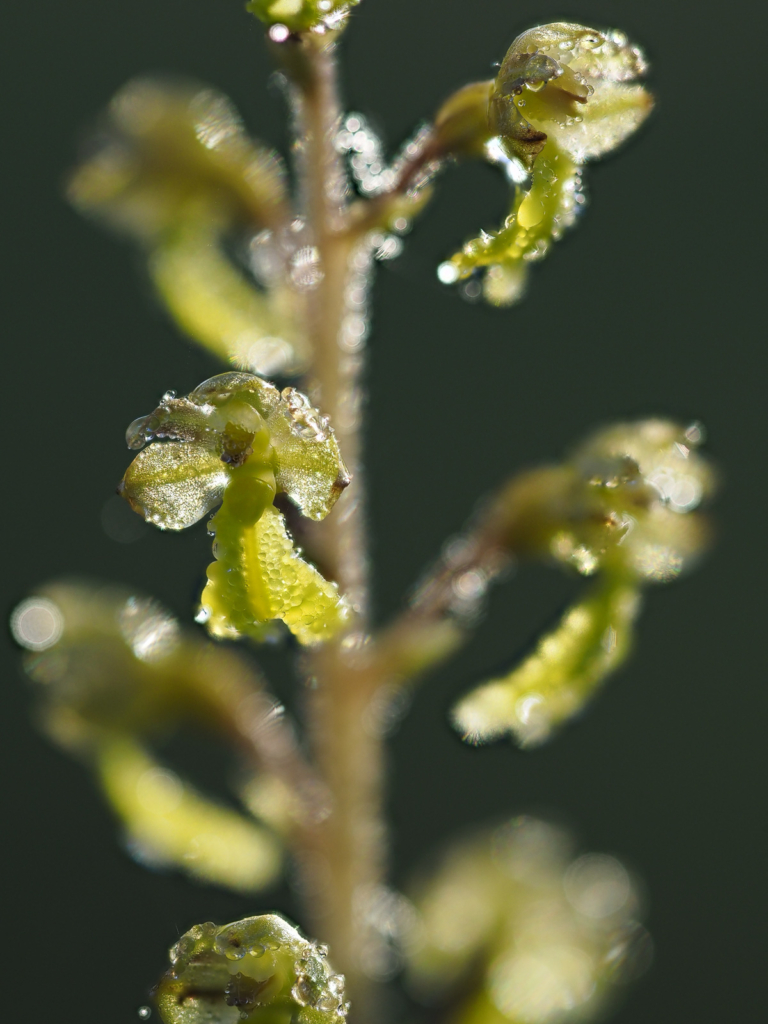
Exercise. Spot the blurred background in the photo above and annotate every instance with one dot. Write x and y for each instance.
(653, 305)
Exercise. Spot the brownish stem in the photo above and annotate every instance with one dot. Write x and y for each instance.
(347, 864)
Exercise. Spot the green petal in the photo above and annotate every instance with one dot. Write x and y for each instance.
(173, 485)
(560, 677)
(258, 576)
(586, 131)
(309, 467)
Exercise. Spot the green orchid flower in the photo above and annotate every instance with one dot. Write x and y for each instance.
(172, 168)
(564, 95)
(622, 507)
(114, 670)
(238, 441)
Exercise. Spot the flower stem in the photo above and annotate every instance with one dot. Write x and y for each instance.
(347, 864)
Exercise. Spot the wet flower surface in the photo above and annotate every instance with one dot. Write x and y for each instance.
(565, 94)
(237, 441)
(623, 507)
(257, 969)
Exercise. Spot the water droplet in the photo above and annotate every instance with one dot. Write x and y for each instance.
(302, 991)
(447, 273)
(37, 624)
(145, 1012)
(326, 1003)
(695, 433)
(279, 33)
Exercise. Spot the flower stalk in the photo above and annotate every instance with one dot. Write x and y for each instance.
(278, 286)
(346, 745)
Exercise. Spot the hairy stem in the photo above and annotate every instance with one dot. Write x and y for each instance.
(347, 863)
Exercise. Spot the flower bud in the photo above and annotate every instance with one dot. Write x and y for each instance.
(259, 969)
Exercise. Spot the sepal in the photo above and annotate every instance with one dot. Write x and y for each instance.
(174, 485)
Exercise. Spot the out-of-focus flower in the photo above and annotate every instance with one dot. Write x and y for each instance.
(552, 935)
(237, 440)
(113, 671)
(565, 94)
(623, 506)
(624, 502)
(257, 969)
(172, 168)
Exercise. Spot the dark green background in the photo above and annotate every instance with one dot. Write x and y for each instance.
(653, 305)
